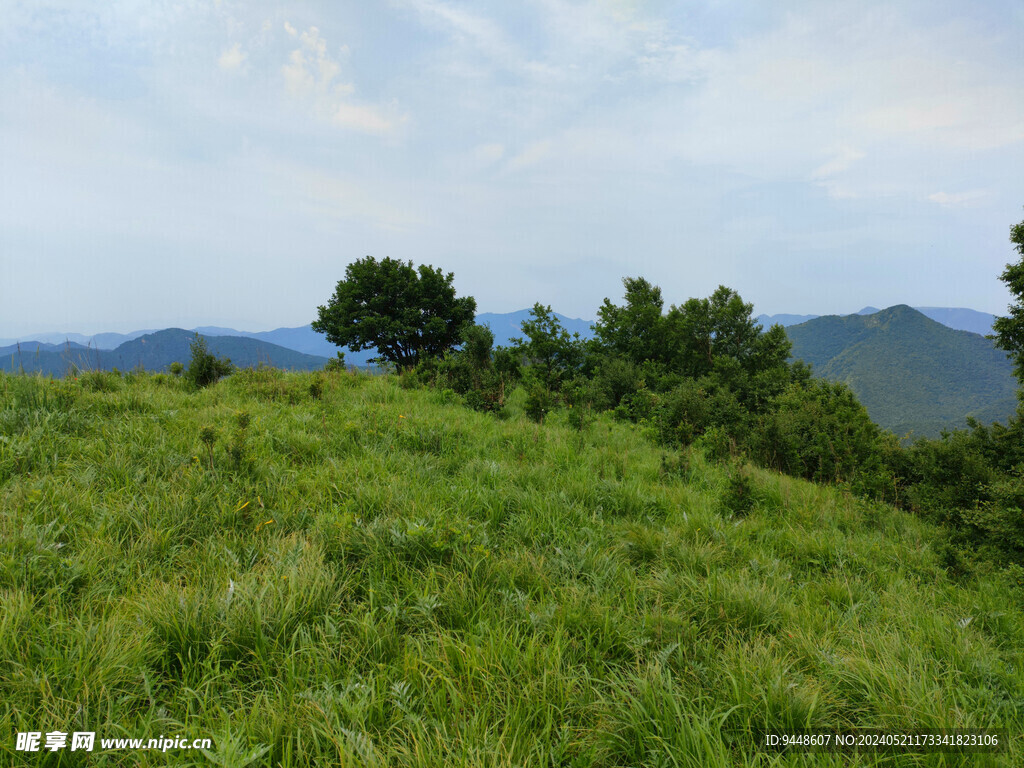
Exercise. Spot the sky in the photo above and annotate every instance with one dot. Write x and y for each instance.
(196, 163)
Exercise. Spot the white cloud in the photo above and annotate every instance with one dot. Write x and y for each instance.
(531, 155)
(959, 199)
(367, 119)
(674, 62)
(488, 154)
(311, 73)
(846, 84)
(232, 59)
(843, 159)
(468, 27)
(309, 66)
(326, 199)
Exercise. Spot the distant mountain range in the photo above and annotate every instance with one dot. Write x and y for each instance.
(152, 351)
(510, 324)
(292, 348)
(916, 370)
(913, 374)
(957, 318)
(506, 325)
(300, 339)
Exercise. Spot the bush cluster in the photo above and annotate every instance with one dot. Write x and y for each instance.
(205, 368)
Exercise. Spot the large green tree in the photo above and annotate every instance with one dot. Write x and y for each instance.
(705, 334)
(551, 355)
(405, 313)
(1010, 330)
(635, 331)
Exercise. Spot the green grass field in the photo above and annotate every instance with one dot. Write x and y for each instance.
(381, 576)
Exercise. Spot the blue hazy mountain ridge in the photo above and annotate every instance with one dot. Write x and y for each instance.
(505, 326)
(301, 339)
(154, 352)
(913, 374)
(32, 347)
(510, 324)
(304, 339)
(96, 341)
(960, 318)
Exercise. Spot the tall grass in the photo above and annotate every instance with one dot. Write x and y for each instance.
(366, 574)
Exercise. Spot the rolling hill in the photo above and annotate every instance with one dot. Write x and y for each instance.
(913, 374)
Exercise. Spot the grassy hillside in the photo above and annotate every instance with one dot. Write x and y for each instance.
(380, 576)
(911, 373)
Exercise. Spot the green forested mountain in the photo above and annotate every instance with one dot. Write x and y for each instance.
(959, 318)
(154, 352)
(912, 374)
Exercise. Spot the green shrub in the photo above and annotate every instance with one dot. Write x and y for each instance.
(817, 431)
(578, 399)
(946, 474)
(717, 444)
(614, 379)
(740, 495)
(470, 371)
(238, 450)
(998, 521)
(208, 437)
(694, 406)
(539, 401)
(316, 388)
(205, 368)
(336, 364)
(101, 381)
(675, 465)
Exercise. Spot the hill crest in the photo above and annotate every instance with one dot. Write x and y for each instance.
(913, 374)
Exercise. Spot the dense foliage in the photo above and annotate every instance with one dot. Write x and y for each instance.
(1010, 329)
(204, 367)
(407, 314)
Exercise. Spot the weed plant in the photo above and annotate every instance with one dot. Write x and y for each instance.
(383, 576)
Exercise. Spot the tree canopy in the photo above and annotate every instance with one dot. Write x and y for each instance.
(547, 348)
(1010, 330)
(406, 313)
(635, 331)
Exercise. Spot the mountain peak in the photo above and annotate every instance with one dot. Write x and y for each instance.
(912, 373)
